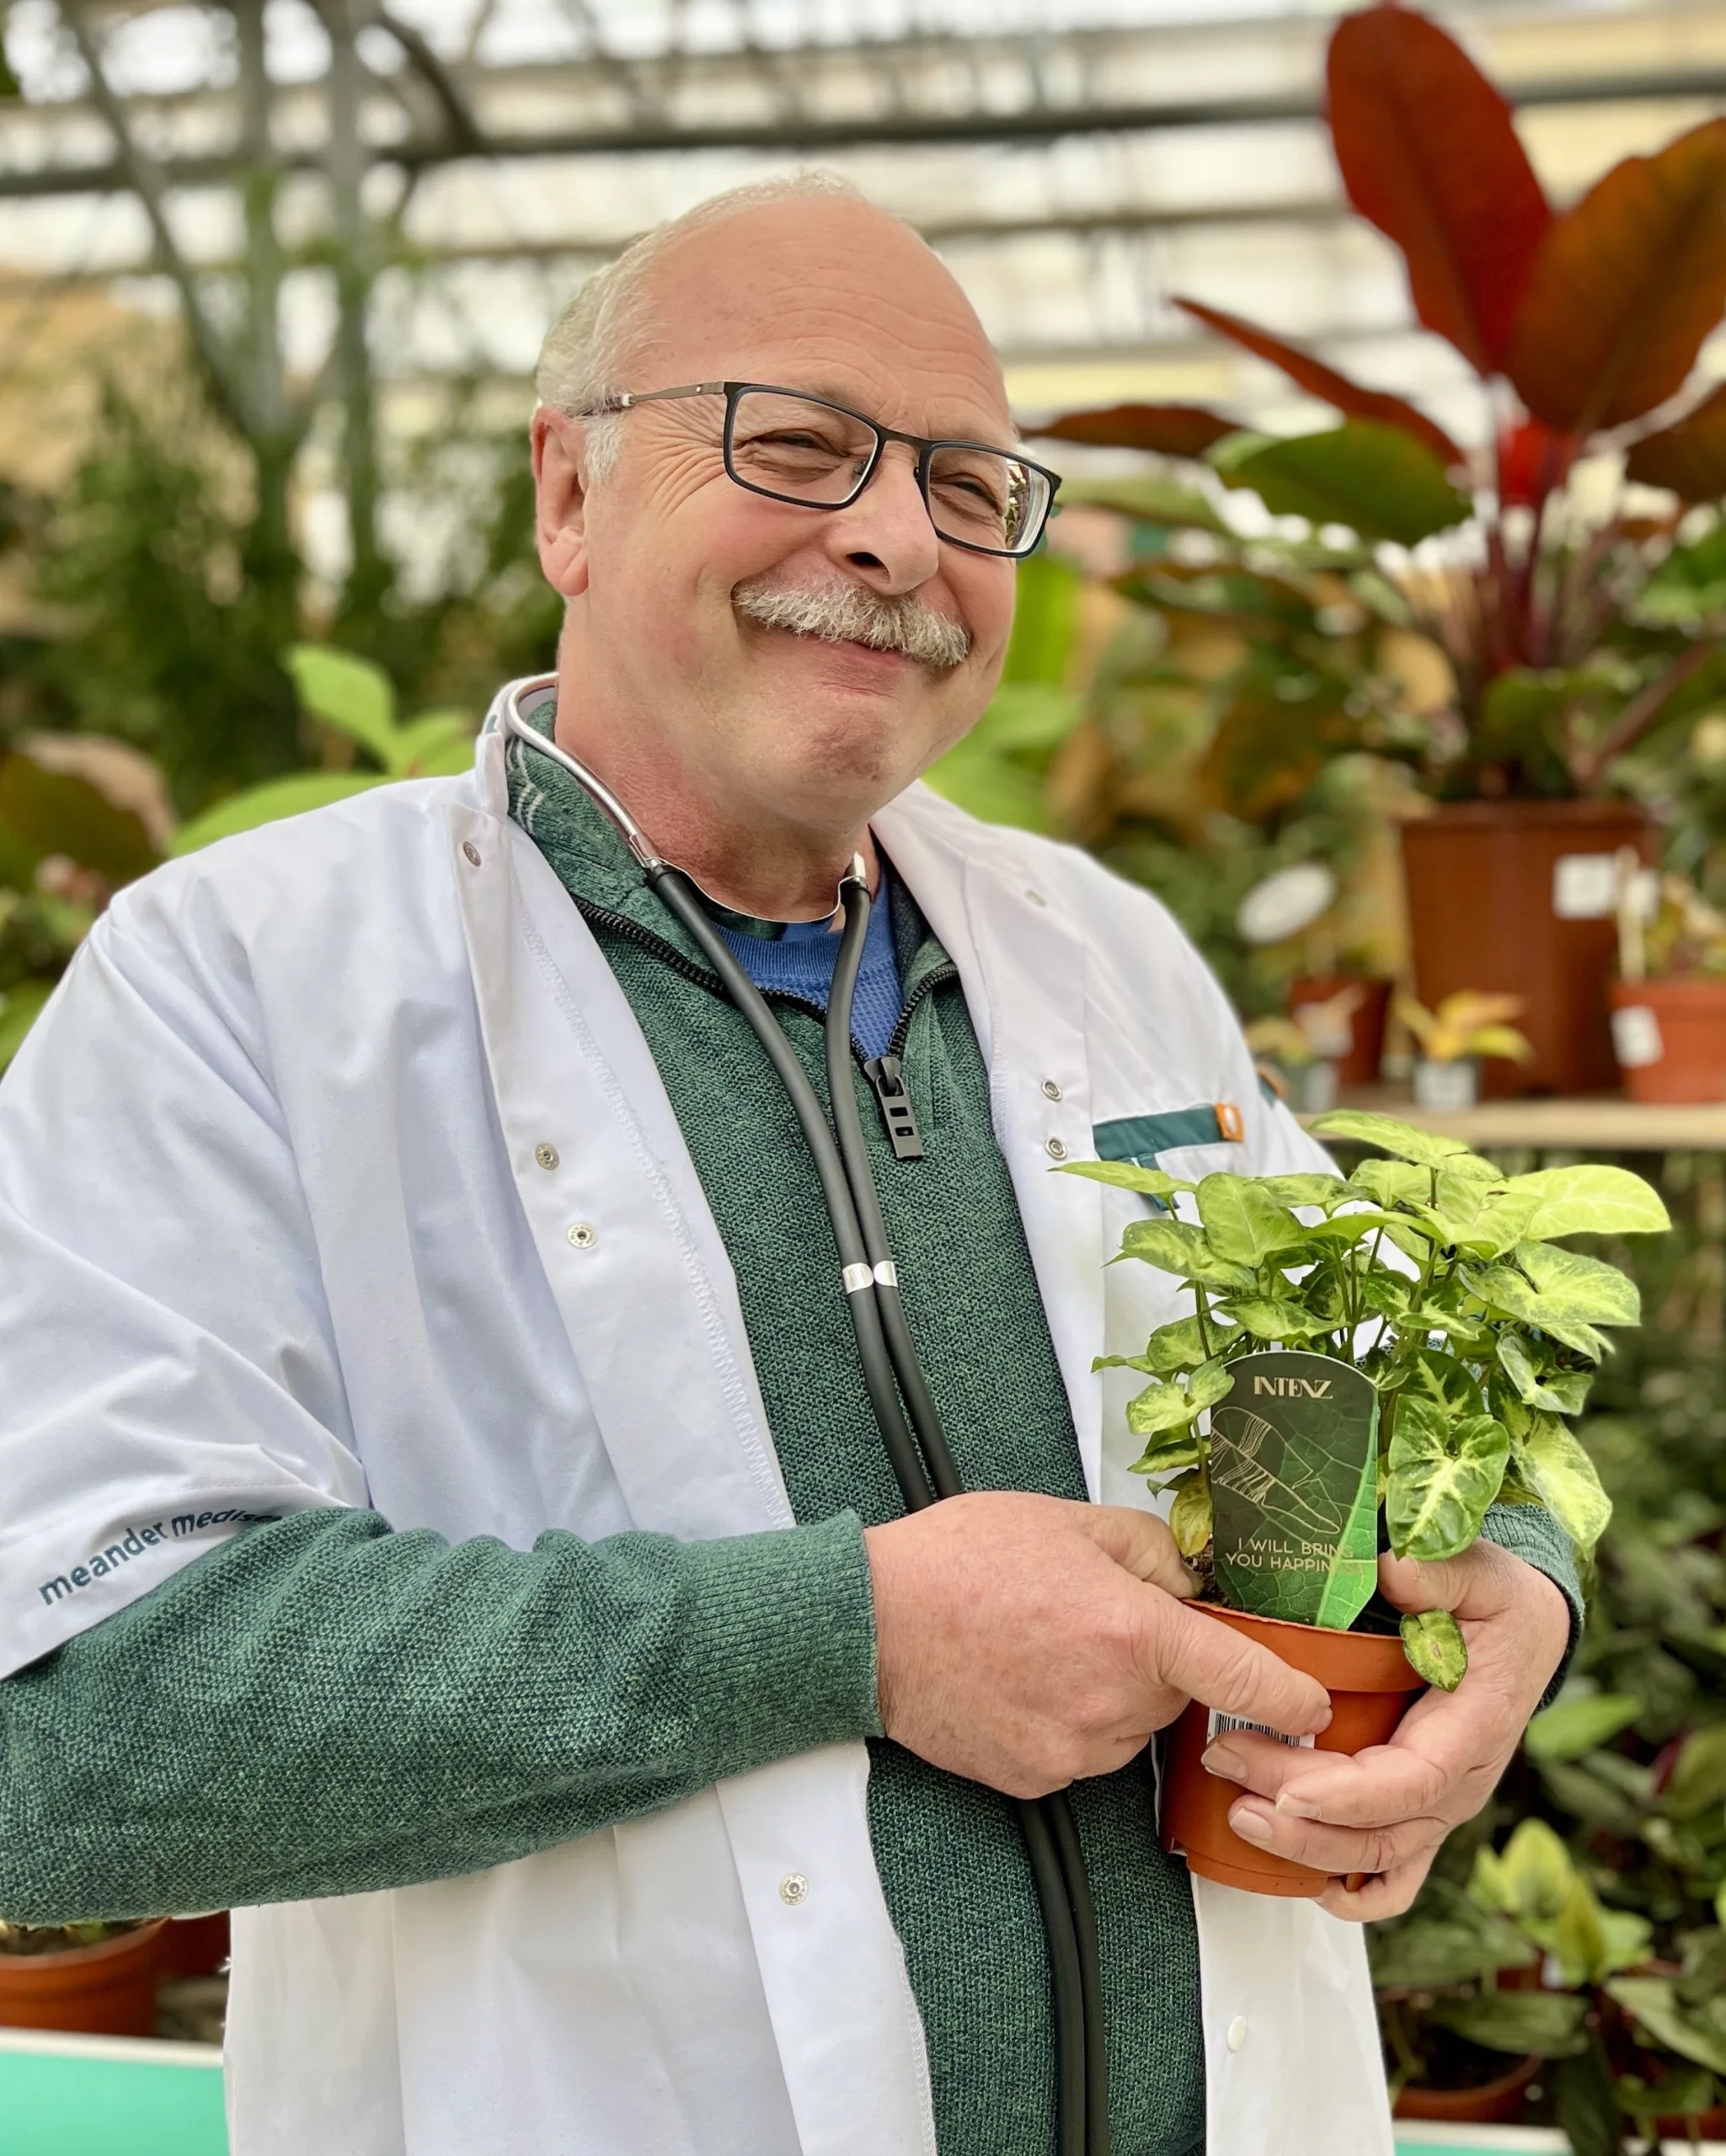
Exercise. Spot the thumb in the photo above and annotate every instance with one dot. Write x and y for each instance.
(1141, 1544)
(1469, 1586)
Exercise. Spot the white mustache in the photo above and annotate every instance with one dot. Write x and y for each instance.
(848, 613)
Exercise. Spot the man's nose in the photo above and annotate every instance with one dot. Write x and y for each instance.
(885, 539)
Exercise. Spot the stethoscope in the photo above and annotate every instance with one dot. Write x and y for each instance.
(910, 1424)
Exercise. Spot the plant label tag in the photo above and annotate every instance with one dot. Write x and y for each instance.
(1220, 1725)
(1635, 1036)
(1585, 886)
(1294, 1488)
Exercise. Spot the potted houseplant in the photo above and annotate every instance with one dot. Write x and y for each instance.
(1508, 1968)
(1454, 1040)
(1668, 1001)
(1367, 1362)
(98, 1979)
(1344, 1014)
(1303, 1053)
(1579, 324)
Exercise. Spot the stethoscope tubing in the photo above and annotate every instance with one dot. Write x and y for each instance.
(904, 1408)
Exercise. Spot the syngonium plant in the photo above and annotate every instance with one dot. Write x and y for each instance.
(1447, 1286)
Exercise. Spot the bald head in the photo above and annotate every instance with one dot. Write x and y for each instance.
(735, 274)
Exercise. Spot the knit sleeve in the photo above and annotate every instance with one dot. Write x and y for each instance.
(1530, 1532)
(325, 1706)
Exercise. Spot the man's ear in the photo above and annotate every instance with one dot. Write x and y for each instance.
(559, 446)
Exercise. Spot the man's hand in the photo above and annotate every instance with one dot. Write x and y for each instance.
(1025, 1641)
(1384, 1811)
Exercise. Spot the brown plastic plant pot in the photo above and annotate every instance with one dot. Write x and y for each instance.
(1366, 1022)
(105, 1990)
(1670, 1036)
(1370, 1682)
(1500, 2102)
(1516, 897)
(195, 1947)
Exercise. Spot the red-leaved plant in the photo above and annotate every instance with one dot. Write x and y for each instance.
(1569, 636)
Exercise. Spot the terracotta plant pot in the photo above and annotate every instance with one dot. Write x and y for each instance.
(1500, 2102)
(104, 1990)
(1516, 897)
(1366, 1022)
(1371, 1685)
(1706, 2125)
(1670, 1036)
(195, 1947)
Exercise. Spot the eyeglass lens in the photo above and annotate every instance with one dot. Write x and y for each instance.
(800, 450)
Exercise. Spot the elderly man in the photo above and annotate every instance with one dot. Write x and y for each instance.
(443, 1512)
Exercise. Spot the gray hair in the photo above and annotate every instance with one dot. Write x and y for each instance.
(586, 348)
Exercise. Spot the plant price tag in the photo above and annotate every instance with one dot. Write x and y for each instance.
(1635, 1036)
(1585, 888)
(1220, 1725)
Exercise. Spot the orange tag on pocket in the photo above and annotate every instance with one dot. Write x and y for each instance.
(1230, 1124)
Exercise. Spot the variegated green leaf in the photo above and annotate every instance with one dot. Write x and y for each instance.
(1394, 1182)
(1443, 1475)
(1189, 1516)
(1579, 1289)
(1553, 1464)
(1555, 1392)
(1268, 1320)
(1173, 1246)
(1169, 1455)
(1326, 1192)
(1243, 1224)
(1592, 1201)
(1402, 1139)
(1127, 1175)
(1433, 1641)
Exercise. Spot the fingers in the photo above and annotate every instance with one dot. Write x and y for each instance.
(1221, 1669)
(1375, 1788)
(1140, 1543)
(1388, 1895)
(1339, 1850)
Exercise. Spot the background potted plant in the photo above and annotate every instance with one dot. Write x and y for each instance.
(98, 1979)
(1581, 326)
(1511, 1966)
(1454, 1040)
(1668, 1001)
(1408, 1342)
(1304, 1051)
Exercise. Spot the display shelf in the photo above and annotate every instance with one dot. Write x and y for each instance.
(109, 2097)
(1417, 2139)
(1599, 1123)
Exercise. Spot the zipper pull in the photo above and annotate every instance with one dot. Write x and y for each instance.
(882, 1073)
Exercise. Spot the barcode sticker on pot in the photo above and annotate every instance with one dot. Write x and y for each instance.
(1220, 1725)
(1635, 1036)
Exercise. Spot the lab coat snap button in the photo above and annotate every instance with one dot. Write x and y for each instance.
(1055, 1148)
(793, 1888)
(470, 853)
(1051, 1091)
(584, 1235)
(1236, 2033)
(546, 1155)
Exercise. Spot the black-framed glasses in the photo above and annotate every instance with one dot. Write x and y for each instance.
(814, 454)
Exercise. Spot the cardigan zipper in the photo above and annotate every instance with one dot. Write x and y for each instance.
(885, 1073)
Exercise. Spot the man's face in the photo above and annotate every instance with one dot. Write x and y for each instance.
(832, 298)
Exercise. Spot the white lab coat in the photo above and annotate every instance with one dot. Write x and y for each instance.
(273, 1234)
